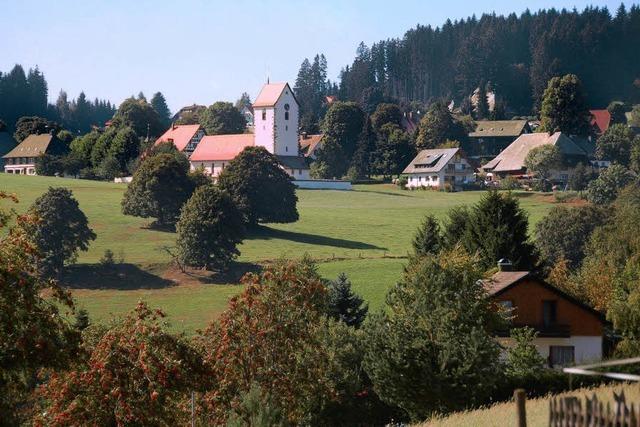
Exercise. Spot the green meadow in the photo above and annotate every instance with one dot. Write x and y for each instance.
(365, 233)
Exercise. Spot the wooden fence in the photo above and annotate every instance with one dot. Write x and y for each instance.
(571, 412)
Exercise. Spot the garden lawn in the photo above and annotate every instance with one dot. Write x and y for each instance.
(360, 232)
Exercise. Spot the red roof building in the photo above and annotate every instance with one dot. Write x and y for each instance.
(184, 137)
(600, 120)
(221, 147)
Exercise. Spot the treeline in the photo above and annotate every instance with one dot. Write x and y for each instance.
(26, 94)
(516, 54)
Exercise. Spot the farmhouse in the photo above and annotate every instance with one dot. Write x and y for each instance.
(492, 136)
(7, 143)
(184, 137)
(600, 121)
(439, 167)
(510, 161)
(275, 129)
(568, 330)
(309, 145)
(22, 159)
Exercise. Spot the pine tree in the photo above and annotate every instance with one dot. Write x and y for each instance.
(159, 104)
(344, 304)
(428, 238)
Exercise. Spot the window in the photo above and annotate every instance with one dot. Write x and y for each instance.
(549, 313)
(264, 114)
(561, 355)
(286, 149)
(434, 178)
(286, 115)
(507, 306)
(286, 127)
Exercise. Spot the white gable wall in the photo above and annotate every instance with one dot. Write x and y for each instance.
(286, 131)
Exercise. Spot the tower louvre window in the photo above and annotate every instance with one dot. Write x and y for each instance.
(264, 114)
(286, 115)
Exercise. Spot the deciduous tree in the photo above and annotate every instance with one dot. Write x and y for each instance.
(261, 189)
(564, 107)
(209, 229)
(60, 231)
(159, 188)
(222, 118)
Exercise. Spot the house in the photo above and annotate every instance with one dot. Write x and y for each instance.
(309, 144)
(22, 159)
(510, 161)
(7, 143)
(600, 121)
(275, 128)
(492, 136)
(569, 331)
(184, 137)
(190, 112)
(438, 167)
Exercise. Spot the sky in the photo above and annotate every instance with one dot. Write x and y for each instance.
(198, 51)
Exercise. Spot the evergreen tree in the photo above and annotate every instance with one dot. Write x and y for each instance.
(482, 106)
(428, 238)
(159, 104)
(38, 92)
(244, 102)
(431, 349)
(81, 113)
(344, 304)
(523, 359)
(497, 228)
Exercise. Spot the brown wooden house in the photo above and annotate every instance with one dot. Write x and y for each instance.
(569, 331)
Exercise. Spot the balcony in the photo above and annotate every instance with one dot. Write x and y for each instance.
(544, 331)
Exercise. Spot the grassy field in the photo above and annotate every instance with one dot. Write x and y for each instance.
(362, 233)
(504, 414)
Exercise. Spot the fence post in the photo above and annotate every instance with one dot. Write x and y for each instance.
(520, 397)
(193, 409)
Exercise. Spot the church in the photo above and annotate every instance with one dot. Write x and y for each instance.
(275, 113)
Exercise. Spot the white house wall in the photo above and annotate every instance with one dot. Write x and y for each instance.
(586, 348)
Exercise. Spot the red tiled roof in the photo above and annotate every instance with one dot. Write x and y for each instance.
(221, 147)
(502, 280)
(309, 144)
(180, 135)
(601, 119)
(269, 94)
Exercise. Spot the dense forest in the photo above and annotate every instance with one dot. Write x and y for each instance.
(515, 55)
(26, 94)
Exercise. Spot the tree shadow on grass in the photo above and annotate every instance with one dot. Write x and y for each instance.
(267, 233)
(385, 193)
(118, 277)
(231, 276)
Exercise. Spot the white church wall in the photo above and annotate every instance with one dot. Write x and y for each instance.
(286, 131)
(264, 128)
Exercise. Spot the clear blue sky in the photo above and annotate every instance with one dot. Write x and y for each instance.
(203, 51)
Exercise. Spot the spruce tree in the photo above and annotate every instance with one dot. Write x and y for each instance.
(428, 238)
(159, 104)
(344, 304)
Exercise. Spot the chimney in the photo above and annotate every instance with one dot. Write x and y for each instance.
(505, 265)
(173, 126)
(304, 135)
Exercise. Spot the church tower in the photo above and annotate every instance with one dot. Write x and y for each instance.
(275, 113)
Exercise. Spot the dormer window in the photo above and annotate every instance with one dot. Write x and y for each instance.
(264, 114)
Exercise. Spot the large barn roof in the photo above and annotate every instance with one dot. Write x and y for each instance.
(498, 128)
(512, 158)
(179, 135)
(32, 146)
